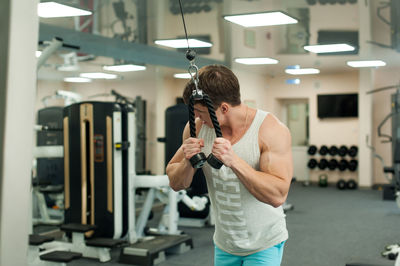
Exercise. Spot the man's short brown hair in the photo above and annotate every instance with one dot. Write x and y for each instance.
(219, 83)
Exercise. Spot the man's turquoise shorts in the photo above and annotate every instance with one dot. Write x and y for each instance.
(267, 257)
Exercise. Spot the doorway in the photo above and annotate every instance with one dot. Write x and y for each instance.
(296, 118)
(295, 114)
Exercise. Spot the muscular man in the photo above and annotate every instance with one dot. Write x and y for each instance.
(247, 192)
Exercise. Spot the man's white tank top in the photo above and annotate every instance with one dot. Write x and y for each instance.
(243, 224)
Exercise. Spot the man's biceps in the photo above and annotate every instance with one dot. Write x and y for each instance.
(280, 149)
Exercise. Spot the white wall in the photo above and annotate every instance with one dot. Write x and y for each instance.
(338, 131)
(252, 85)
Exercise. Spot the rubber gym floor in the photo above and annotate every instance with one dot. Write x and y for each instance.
(328, 227)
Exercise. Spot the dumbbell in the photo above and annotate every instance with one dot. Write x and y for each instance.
(312, 163)
(333, 164)
(343, 165)
(353, 151)
(351, 184)
(323, 150)
(333, 150)
(343, 151)
(323, 164)
(353, 165)
(312, 150)
(341, 184)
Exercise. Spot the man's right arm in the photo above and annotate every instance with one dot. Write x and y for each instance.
(179, 170)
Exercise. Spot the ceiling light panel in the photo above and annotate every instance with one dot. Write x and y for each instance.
(77, 80)
(366, 63)
(302, 71)
(182, 43)
(182, 76)
(293, 81)
(329, 48)
(256, 61)
(54, 10)
(124, 68)
(261, 19)
(98, 75)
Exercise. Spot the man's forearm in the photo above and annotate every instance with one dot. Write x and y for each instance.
(180, 174)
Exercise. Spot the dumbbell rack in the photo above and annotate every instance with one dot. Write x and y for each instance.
(327, 162)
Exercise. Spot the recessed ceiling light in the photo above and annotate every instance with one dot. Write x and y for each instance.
(182, 43)
(329, 48)
(182, 76)
(77, 79)
(293, 81)
(261, 19)
(256, 61)
(53, 10)
(301, 71)
(38, 53)
(366, 63)
(124, 68)
(98, 75)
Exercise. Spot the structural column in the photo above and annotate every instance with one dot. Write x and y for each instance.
(366, 82)
(18, 43)
(161, 93)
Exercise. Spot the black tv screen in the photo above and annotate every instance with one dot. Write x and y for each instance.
(337, 105)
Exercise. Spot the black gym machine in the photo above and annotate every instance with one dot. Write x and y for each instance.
(391, 251)
(394, 139)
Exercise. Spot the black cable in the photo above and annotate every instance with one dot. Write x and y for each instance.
(184, 24)
(192, 123)
(199, 159)
(214, 119)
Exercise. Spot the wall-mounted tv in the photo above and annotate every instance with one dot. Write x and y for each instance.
(337, 105)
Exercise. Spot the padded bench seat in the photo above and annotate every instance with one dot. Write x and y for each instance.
(61, 256)
(77, 228)
(37, 240)
(104, 242)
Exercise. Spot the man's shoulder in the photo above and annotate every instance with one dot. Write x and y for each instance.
(272, 130)
(271, 122)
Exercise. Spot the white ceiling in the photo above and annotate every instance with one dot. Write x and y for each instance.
(321, 17)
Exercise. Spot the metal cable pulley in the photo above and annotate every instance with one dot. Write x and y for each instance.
(199, 159)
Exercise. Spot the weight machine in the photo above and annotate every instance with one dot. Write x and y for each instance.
(391, 251)
(393, 138)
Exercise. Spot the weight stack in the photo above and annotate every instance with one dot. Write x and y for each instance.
(93, 166)
(176, 118)
(50, 170)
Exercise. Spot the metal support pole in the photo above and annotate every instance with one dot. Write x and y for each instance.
(173, 212)
(144, 215)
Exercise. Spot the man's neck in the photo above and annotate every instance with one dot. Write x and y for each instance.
(236, 121)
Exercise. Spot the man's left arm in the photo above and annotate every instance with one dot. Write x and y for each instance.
(271, 183)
